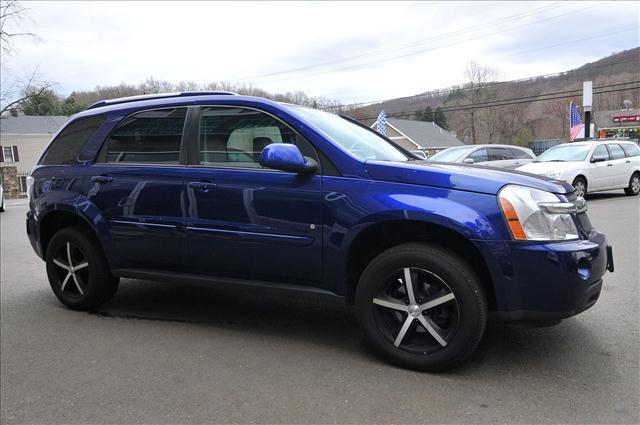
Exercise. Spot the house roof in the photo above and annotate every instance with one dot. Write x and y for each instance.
(31, 124)
(604, 119)
(426, 134)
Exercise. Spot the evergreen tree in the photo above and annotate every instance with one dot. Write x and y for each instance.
(44, 103)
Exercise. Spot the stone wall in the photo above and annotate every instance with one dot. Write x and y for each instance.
(10, 183)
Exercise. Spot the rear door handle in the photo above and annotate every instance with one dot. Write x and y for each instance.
(609, 165)
(628, 161)
(202, 186)
(101, 179)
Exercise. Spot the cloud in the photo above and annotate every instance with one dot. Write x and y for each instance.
(400, 48)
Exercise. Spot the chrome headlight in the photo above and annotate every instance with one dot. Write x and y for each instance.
(553, 174)
(536, 215)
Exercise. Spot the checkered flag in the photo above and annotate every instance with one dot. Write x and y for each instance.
(382, 123)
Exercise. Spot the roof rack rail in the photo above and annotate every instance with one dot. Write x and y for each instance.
(158, 96)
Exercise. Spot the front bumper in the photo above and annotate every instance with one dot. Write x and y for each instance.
(546, 281)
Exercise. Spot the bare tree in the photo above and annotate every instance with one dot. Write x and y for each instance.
(24, 89)
(17, 89)
(558, 111)
(478, 91)
(12, 14)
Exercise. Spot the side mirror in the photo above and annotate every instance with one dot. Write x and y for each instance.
(468, 161)
(598, 158)
(286, 157)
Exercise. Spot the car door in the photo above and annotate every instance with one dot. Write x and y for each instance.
(501, 157)
(621, 168)
(137, 184)
(246, 221)
(600, 175)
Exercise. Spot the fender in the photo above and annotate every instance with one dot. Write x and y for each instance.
(53, 201)
(349, 213)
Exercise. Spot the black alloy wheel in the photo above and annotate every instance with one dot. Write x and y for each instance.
(421, 306)
(78, 272)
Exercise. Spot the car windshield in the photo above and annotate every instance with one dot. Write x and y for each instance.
(562, 153)
(361, 142)
(451, 154)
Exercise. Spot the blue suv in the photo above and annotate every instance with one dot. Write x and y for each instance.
(221, 189)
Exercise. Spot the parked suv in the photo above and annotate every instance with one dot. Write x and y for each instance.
(219, 189)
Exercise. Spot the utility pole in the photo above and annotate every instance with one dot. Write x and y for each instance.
(587, 100)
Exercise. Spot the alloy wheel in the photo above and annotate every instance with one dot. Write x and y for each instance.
(579, 187)
(635, 184)
(417, 311)
(72, 270)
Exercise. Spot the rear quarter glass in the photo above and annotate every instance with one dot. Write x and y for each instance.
(66, 147)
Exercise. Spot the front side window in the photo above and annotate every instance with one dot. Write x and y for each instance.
(66, 147)
(148, 137)
(235, 137)
(616, 151)
(479, 156)
(600, 152)
(631, 149)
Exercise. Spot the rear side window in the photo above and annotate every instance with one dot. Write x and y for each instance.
(616, 151)
(64, 150)
(517, 153)
(499, 154)
(631, 149)
(148, 137)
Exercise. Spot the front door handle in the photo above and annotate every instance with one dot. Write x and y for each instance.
(101, 179)
(628, 161)
(609, 165)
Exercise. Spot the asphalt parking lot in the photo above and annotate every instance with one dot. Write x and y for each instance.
(174, 354)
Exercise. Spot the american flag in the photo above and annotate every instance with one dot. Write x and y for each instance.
(381, 126)
(575, 122)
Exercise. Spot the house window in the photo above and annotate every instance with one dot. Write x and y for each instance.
(7, 152)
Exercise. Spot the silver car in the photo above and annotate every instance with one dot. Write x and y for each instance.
(503, 156)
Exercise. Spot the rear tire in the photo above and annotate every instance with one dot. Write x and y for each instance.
(580, 185)
(78, 272)
(634, 185)
(438, 325)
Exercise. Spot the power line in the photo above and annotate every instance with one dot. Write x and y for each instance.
(440, 92)
(378, 52)
(604, 34)
(528, 99)
(364, 64)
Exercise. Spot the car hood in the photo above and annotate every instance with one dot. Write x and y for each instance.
(474, 178)
(547, 167)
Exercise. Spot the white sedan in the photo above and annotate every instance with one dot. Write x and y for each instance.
(502, 156)
(591, 166)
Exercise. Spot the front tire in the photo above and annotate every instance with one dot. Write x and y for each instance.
(78, 272)
(634, 185)
(421, 307)
(580, 185)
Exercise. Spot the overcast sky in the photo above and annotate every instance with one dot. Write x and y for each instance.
(348, 51)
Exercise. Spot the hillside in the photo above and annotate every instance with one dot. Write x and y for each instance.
(535, 108)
